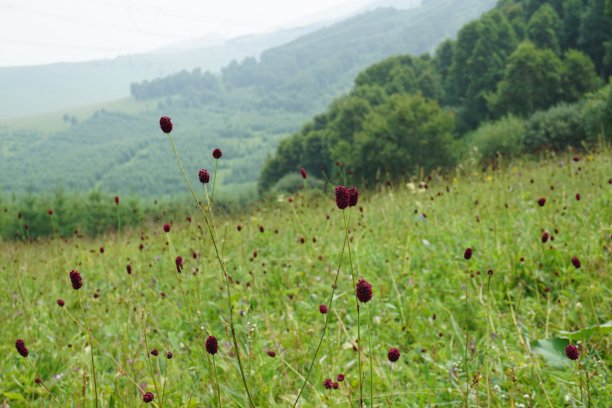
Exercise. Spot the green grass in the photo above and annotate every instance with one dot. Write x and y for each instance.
(408, 242)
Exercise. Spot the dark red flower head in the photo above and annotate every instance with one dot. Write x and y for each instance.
(217, 153)
(340, 377)
(154, 352)
(204, 176)
(38, 381)
(572, 352)
(166, 227)
(50, 212)
(169, 355)
(328, 383)
(303, 173)
(212, 346)
(393, 355)
(541, 201)
(179, 264)
(271, 353)
(336, 386)
(60, 302)
(128, 269)
(165, 123)
(577, 196)
(21, 348)
(76, 280)
(343, 198)
(353, 196)
(364, 291)
(467, 254)
(323, 309)
(116, 200)
(576, 262)
(147, 397)
(545, 236)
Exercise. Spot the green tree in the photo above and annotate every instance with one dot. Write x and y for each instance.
(402, 136)
(595, 32)
(532, 81)
(579, 76)
(485, 68)
(543, 27)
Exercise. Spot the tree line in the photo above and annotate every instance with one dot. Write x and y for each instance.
(530, 66)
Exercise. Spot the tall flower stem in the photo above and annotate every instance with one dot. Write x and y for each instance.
(223, 270)
(327, 317)
(467, 339)
(346, 227)
(216, 381)
(42, 384)
(151, 372)
(91, 345)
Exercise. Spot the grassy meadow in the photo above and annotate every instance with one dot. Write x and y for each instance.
(282, 256)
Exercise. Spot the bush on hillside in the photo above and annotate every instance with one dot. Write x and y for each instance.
(504, 136)
(556, 128)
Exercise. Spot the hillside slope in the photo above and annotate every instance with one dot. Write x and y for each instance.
(253, 105)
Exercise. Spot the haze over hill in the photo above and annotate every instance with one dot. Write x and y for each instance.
(245, 110)
(31, 90)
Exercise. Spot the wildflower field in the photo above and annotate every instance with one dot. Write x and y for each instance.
(486, 287)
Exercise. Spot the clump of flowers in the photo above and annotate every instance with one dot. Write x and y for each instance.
(212, 346)
(572, 352)
(393, 355)
(343, 198)
(165, 123)
(148, 396)
(179, 263)
(353, 196)
(204, 176)
(364, 291)
(76, 280)
(21, 348)
(467, 255)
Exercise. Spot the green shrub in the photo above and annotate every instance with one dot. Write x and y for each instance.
(504, 136)
(597, 113)
(292, 182)
(556, 128)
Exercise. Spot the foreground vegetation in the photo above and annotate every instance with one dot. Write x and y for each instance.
(408, 240)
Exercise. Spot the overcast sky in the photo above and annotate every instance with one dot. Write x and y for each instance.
(45, 31)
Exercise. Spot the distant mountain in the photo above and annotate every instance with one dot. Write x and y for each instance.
(32, 90)
(246, 110)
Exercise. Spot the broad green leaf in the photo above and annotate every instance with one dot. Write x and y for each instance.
(588, 332)
(553, 351)
(15, 396)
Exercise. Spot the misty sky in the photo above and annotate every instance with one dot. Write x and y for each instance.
(44, 31)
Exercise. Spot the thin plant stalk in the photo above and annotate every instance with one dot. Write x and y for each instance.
(467, 339)
(223, 270)
(144, 331)
(371, 358)
(327, 317)
(91, 345)
(346, 226)
(216, 381)
(42, 384)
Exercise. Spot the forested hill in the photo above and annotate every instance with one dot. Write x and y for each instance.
(246, 110)
(521, 79)
(304, 74)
